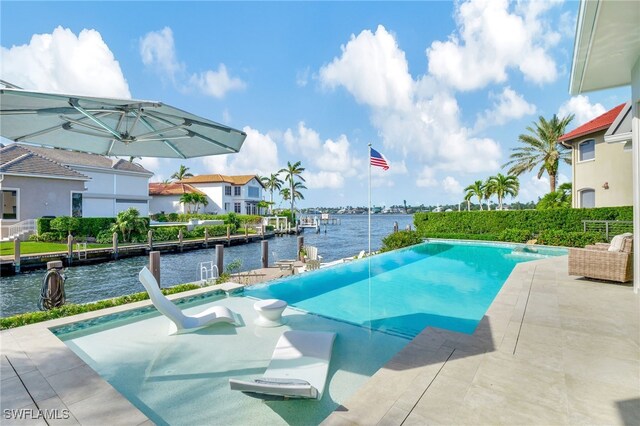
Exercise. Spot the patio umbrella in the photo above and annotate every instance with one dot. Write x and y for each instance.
(116, 127)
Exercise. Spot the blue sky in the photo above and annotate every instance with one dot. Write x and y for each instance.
(442, 89)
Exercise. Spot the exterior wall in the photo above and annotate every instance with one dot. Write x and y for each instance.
(217, 198)
(611, 165)
(110, 192)
(165, 203)
(40, 197)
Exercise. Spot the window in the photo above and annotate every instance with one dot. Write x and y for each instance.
(237, 191)
(253, 192)
(227, 190)
(587, 150)
(9, 204)
(587, 198)
(76, 204)
(227, 207)
(247, 208)
(237, 207)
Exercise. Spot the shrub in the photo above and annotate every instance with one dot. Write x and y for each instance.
(104, 237)
(515, 235)
(269, 228)
(569, 239)
(232, 219)
(65, 225)
(46, 237)
(494, 222)
(168, 233)
(173, 217)
(158, 217)
(213, 230)
(87, 226)
(43, 225)
(73, 309)
(400, 239)
(480, 237)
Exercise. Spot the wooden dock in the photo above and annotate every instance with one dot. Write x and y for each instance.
(9, 266)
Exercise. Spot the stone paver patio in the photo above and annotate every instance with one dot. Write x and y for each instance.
(551, 349)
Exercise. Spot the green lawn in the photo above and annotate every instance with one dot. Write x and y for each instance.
(31, 247)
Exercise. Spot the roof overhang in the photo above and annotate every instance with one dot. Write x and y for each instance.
(607, 45)
(620, 129)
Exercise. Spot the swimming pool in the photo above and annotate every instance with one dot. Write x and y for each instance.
(374, 305)
(443, 284)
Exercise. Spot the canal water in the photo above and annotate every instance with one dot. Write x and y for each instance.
(20, 293)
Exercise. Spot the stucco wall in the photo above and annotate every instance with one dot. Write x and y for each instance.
(611, 165)
(165, 203)
(41, 197)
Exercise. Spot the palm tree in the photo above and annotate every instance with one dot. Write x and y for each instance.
(561, 198)
(197, 199)
(488, 192)
(502, 185)
(467, 198)
(297, 195)
(475, 190)
(291, 172)
(183, 172)
(271, 183)
(541, 148)
(128, 222)
(166, 181)
(187, 200)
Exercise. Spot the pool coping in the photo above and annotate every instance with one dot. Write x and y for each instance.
(39, 372)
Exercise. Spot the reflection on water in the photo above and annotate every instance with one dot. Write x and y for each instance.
(89, 283)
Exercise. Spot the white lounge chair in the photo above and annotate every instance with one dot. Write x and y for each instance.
(298, 368)
(180, 322)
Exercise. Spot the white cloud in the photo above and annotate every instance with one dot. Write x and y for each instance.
(426, 178)
(491, 40)
(533, 188)
(216, 83)
(258, 155)
(65, 63)
(302, 77)
(328, 162)
(508, 105)
(417, 118)
(583, 109)
(451, 185)
(158, 52)
(373, 69)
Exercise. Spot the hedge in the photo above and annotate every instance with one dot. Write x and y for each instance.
(88, 226)
(74, 309)
(495, 222)
(569, 239)
(399, 240)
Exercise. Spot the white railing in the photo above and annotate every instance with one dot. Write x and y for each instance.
(609, 228)
(23, 227)
(208, 272)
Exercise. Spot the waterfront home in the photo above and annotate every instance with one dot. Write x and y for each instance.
(165, 197)
(31, 184)
(34, 186)
(601, 159)
(226, 194)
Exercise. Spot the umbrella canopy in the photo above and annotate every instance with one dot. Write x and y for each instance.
(116, 127)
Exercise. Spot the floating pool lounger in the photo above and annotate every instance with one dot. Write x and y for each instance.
(298, 368)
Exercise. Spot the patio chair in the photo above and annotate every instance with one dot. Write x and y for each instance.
(610, 262)
(298, 368)
(181, 323)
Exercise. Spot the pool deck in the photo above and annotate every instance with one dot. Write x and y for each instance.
(551, 349)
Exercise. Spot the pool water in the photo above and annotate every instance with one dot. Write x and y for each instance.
(440, 284)
(375, 305)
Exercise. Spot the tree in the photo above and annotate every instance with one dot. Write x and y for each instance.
(488, 192)
(291, 173)
(183, 172)
(476, 189)
(128, 223)
(502, 186)
(467, 198)
(197, 199)
(561, 198)
(541, 148)
(271, 183)
(187, 200)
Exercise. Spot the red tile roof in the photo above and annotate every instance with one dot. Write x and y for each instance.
(172, 189)
(234, 180)
(601, 122)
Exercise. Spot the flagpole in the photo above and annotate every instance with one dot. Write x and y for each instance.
(369, 252)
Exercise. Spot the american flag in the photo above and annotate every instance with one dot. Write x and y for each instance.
(378, 159)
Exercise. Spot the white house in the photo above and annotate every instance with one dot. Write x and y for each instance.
(165, 197)
(114, 186)
(239, 194)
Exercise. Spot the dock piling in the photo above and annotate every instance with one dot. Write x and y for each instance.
(114, 239)
(220, 258)
(16, 255)
(300, 244)
(69, 249)
(395, 226)
(154, 265)
(206, 237)
(180, 238)
(150, 239)
(265, 253)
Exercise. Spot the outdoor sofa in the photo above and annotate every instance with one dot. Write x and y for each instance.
(602, 261)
